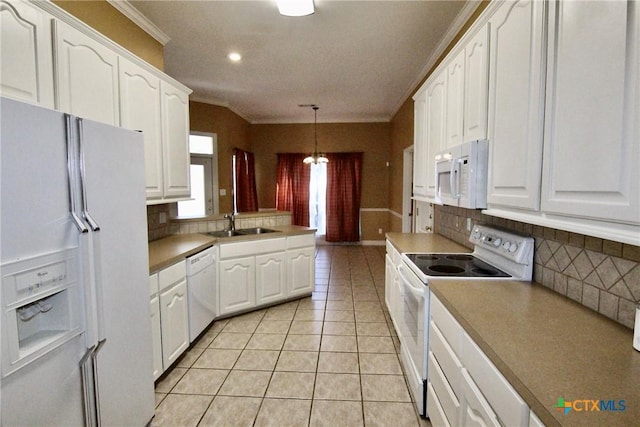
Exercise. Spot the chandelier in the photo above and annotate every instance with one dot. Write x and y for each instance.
(315, 158)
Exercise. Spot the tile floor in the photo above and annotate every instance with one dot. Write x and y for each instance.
(327, 360)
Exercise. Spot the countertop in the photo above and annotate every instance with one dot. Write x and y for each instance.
(546, 345)
(169, 250)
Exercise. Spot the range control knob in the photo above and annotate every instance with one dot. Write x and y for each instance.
(513, 247)
(506, 245)
(497, 242)
(476, 234)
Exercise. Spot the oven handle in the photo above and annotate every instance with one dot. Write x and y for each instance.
(418, 292)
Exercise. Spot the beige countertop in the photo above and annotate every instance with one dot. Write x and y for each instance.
(423, 242)
(169, 250)
(549, 347)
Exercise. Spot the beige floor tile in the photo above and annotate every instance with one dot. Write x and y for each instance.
(279, 315)
(247, 326)
(368, 344)
(249, 316)
(181, 410)
(339, 295)
(385, 414)
(302, 342)
(309, 304)
(201, 381)
(160, 397)
(370, 316)
(245, 383)
(217, 358)
(336, 413)
(297, 361)
(284, 413)
(218, 325)
(339, 328)
(361, 293)
(367, 306)
(339, 305)
(227, 411)
(189, 357)
(372, 363)
(170, 380)
(299, 327)
(257, 360)
(290, 305)
(274, 326)
(339, 316)
(296, 385)
(309, 315)
(337, 387)
(266, 342)
(339, 343)
(377, 329)
(235, 340)
(206, 338)
(346, 363)
(385, 388)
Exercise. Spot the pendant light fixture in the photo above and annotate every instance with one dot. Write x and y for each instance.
(315, 158)
(295, 7)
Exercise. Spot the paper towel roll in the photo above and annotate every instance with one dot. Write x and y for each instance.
(636, 330)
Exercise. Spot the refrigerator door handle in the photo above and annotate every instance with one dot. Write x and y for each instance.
(88, 405)
(85, 212)
(96, 382)
(71, 178)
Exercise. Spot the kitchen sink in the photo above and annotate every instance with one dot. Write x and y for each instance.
(240, 232)
(255, 230)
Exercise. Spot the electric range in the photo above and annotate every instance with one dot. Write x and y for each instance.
(497, 255)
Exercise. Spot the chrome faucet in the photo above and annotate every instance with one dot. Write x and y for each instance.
(232, 220)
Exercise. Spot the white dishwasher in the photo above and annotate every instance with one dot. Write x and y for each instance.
(201, 286)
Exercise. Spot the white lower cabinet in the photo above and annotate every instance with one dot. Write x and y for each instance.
(464, 386)
(393, 286)
(237, 285)
(156, 330)
(174, 312)
(271, 270)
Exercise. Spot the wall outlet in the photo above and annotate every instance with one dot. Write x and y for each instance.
(223, 191)
(379, 230)
(162, 217)
(468, 224)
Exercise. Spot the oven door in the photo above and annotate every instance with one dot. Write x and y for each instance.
(413, 327)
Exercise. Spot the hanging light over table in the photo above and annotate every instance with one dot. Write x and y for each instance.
(315, 158)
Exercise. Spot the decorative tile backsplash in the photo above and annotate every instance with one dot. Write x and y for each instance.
(600, 274)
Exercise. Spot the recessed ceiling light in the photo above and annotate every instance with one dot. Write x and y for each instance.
(234, 56)
(295, 7)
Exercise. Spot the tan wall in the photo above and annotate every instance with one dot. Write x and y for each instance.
(232, 131)
(371, 138)
(105, 19)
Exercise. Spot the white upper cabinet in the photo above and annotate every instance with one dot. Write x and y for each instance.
(455, 101)
(86, 76)
(516, 104)
(175, 141)
(420, 150)
(435, 127)
(26, 68)
(140, 110)
(593, 111)
(476, 73)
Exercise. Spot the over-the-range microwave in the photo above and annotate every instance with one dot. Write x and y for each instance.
(461, 175)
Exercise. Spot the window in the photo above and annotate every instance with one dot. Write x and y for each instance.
(204, 177)
(318, 198)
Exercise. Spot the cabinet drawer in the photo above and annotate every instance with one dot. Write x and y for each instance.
(506, 402)
(444, 320)
(301, 241)
(434, 409)
(171, 275)
(447, 359)
(153, 284)
(253, 247)
(448, 399)
(475, 408)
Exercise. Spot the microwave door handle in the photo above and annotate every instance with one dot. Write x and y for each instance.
(455, 178)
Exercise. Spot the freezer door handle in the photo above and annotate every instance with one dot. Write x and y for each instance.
(82, 228)
(85, 212)
(96, 382)
(89, 407)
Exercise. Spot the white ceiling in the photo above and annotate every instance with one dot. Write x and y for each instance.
(357, 60)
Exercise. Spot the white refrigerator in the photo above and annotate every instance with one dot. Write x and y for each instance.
(75, 327)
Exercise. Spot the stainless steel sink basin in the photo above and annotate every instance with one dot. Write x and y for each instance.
(223, 233)
(255, 230)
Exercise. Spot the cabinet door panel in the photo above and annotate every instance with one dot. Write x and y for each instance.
(26, 69)
(156, 337)
(516, 107)
(476, 86)
(87, 76)
(436, 104)
(140, 110)
(237, 285)
(455, 100)
(174, 313)
(591, 135)
(420, 149)
(271, 270)
(301, 271)
(175, 141)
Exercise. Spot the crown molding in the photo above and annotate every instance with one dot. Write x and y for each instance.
(128, 10)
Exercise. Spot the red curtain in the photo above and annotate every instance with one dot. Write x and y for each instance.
(344, 173)
(292, 190)
(246, 196)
